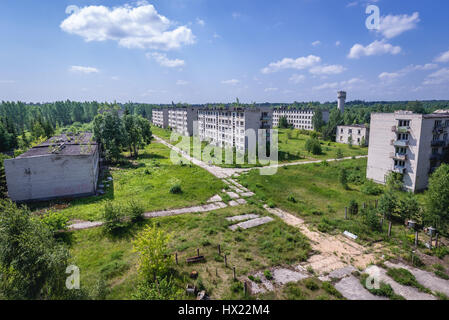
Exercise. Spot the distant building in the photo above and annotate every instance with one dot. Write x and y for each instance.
(407, 143)
(63, 166)
(299, 118)
(227, 127)
(341, 101)
(181, 120)
(354, 134)
(160, 117)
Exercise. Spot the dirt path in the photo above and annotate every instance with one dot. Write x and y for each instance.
(334, 252)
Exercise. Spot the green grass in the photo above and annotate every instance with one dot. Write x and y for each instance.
(101, 256)
(149, 180)
(406, 278)
(291, 149)
(318, 195)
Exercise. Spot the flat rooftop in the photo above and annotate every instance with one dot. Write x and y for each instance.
(81, 144)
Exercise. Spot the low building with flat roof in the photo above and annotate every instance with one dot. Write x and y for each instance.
(298, 118)
(63, 166)
(356, 134)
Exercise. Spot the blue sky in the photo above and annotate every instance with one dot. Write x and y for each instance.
(199, 51)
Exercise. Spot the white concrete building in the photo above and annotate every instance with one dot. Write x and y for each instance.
(63, 166)
(181, 120)
(160, 117)
(408, 143)
(227, 127)
(299, 118)
(354, 134)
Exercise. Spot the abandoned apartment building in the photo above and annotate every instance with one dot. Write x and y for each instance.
(64, 166)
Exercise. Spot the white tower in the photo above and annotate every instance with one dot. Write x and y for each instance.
(341, 101)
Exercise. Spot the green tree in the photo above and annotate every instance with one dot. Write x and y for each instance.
(154, 257)
(32, 262)
(283, 123)
(387, 206)
(313, 146)
(437, 199)
(317, 120)
(343, 177)
(409, 208)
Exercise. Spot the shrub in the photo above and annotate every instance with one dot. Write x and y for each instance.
(236, 286)
(113, 217)
(311, 284)
(291, 198)
(385, 290)
(406, 278)
(353, 207)
(339, 154)
(56, 221)
(371, 219)
(370, 188)
(441, 275)
(176, 189)
(313, 146)
(135, 211)
(329, 288)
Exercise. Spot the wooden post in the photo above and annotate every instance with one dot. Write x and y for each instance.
(198, 252)
(245, 288)
(431, 240)
(377, 201)
(416, 238)
(176, 258)
(436, 240)
(226, 260)
(364, 205)
(219, 250)
(346, 213)
(233, 269)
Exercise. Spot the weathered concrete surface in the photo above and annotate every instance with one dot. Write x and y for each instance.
(338, 273)
(85, 225)
(241, 201)
(427, 279)
(264, 286)
(247, 194)
(282, 276)
(215, 198)
(409, 293)
(251, 223)
(233, 195)
(351, 288)
(174, 212)
(243, 217)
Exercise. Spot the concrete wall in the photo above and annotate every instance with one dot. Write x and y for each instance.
(343, 134)
(51, 176)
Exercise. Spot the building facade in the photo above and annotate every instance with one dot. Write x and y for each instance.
(227, 127)
(181, 120)
(160, 117)
(407, 143)
(299, 118)
(63, 166)
(356, 135)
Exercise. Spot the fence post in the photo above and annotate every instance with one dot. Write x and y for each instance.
(233, 269)
(176, 257)
(226, 260)
(219, 250)
(198, 252)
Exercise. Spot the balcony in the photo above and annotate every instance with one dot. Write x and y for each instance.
(438, 143)
(400, 143)
(399, 169)
(398, 129)
(398, 156)
(436, 156)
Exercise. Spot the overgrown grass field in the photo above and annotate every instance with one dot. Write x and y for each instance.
(101, 256)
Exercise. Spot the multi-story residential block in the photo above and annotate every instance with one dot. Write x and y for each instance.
(407, 143)
(160, 117)
(299, 118)
(227, 127)
(355, 134)
(181, 120)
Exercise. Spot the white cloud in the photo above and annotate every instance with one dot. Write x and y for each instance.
(392, 26)
(200, 22)
(85, 70)
(132, 27)
(231, 82)
(407, 70)
(115, 78)
(444, 57)
(438, 77)
(288, 63)
(236, 15)
(375, 48)
(316, 43)
(182, 83)
(162, 59)
(271, 89)
(327, 85)
(338, 43)
(297, 78)
(327, 70)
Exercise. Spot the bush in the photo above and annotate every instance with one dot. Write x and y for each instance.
(406, 278)
(313, 146)
(56, 221)
(339, 154)
(135, 211)
(329, 288)
(371, 219)
(353, 207)
(113, 217)
(385, 290)
(370, 188)
(291, 198)
(163, 289)
(268, 275)
(311, 284)
(236, 286)
(176, 189)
